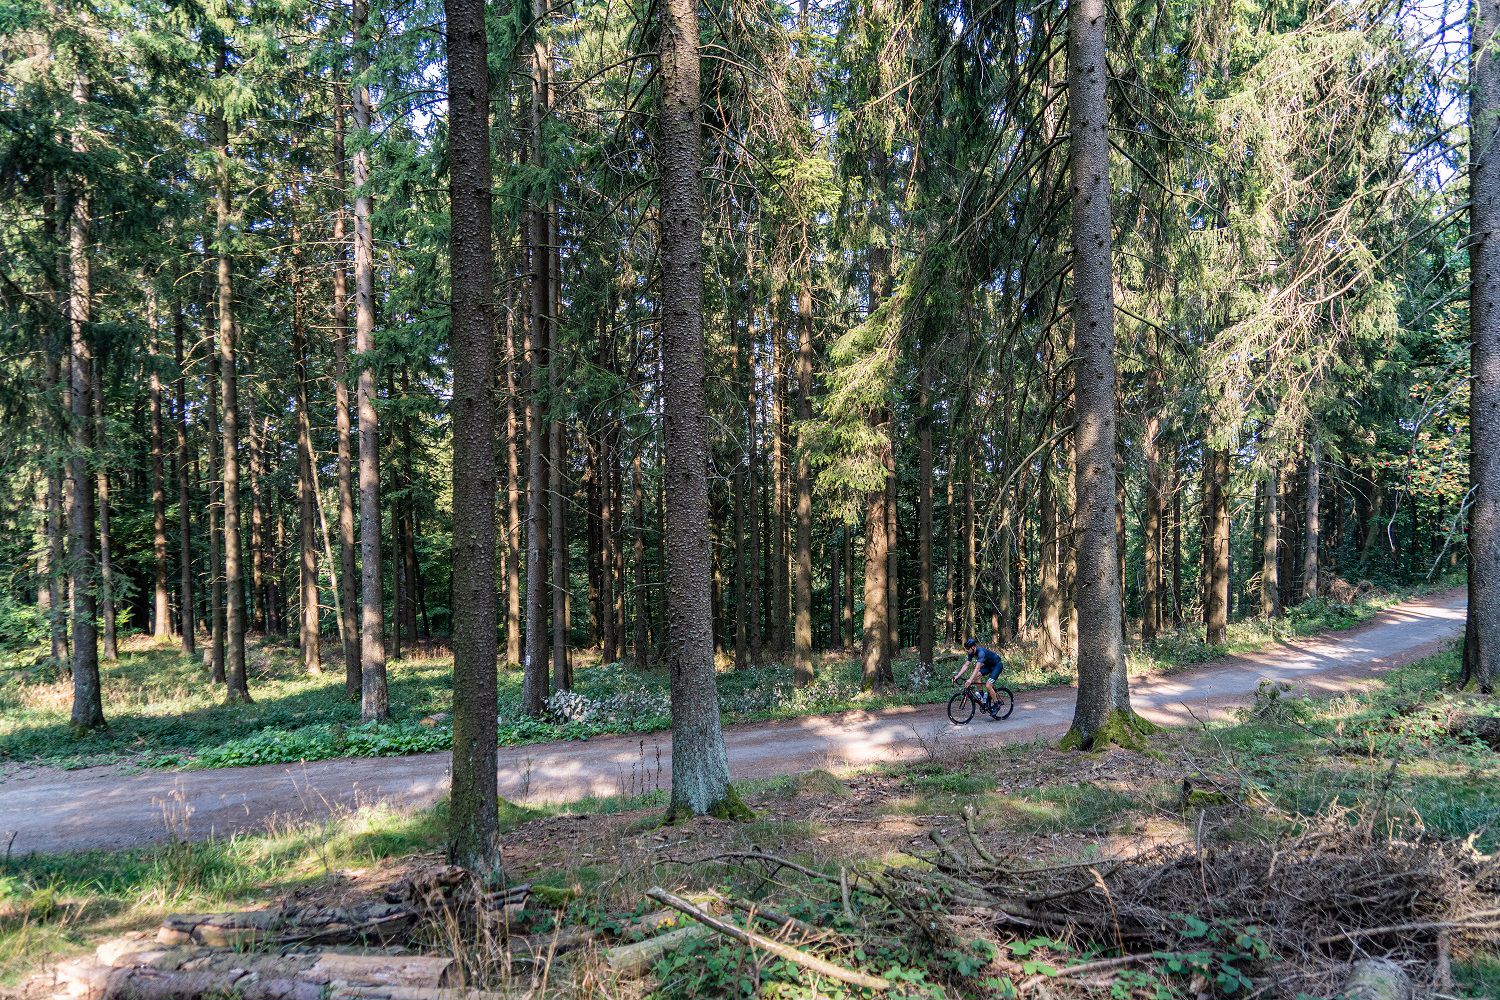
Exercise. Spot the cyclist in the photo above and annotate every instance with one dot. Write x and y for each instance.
(986, 663)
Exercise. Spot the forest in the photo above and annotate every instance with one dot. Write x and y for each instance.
(401, 376)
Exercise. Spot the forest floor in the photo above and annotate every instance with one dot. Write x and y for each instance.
(46, 809)
(1401, 754)
(164, 713)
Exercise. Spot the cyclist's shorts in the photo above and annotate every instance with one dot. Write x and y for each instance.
(992, 672)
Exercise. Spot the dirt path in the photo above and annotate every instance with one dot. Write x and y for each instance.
(52, 811)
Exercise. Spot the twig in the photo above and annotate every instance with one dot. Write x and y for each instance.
(784, 951)
(979, 849)
(844, 893)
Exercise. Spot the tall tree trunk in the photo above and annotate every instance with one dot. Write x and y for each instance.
(1215, 545)
(606, 535)
(535, 678)
(892, 547)
(1102, 690)
(835, 553)
(753, 541)
(776, 524)
(472, 820)
(307, 498)
(513, 489)
(557, 461)
(217, 641)
(802, 639)
(161, 610)
(924, 516)
(1049, 651)
(639, 604)
(700, 767)
(374, 699)
(1311, 528)
(106, 537)
(971, 555)
(1152, 517)
(1270, 549)
(88, 704)
(848, 546)
(237, 687)
(1481, 656)
(185, 609)
(348, 589)
(876, 672)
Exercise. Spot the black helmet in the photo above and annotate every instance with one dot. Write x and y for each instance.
(970, 642)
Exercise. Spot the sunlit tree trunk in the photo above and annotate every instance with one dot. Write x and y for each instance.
(161, 607)
(1481, 656)
(802, 636)
(307, 498)
(1215, 545)
(514, 528)
(216, 656)
(107, 610)
(557, 457)
(924, 516)
(1311, 535)
(88, 705)
(342, 424)
(1270, 548)
(374, 699)
(1049, 651)
(1151, 519)
(185, 588)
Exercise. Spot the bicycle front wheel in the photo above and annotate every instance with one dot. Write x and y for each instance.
(1003, 704)
(960, 708)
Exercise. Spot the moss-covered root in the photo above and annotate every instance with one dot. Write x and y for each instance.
(1123, 728)
(731, 807)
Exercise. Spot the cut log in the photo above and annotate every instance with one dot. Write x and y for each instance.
(89, 980)
(634, 959)
(1378, 979)
(312, 925)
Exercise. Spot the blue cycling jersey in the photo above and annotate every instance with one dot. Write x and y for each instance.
(990, 663)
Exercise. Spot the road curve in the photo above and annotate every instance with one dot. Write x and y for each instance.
(47, 810)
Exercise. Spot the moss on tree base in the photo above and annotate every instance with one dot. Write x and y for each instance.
(731, 807)
(1122, 729)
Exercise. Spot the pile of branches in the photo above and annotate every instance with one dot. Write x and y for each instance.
(1344, 887)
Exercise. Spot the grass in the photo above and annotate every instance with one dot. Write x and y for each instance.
(1290, 753)
(163, 712)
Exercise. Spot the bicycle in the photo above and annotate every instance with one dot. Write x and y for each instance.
(963, 703)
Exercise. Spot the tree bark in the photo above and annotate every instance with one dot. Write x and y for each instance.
(1311, 527)
(1102, 691)
(1481, 656)
(348, 589)
(185, 590)
(639, 603)
(802, 640)
(88, 706)
(473, 818)
(374, 699)
(700, 766)
(513, 488)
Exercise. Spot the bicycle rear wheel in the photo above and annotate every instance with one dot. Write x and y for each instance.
(1003, 705)
(960, 708)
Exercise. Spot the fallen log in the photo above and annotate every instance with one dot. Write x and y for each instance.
(418, 993)
(88, 980)
(379, 922)
(318, 966)
(784, 951)
(1378, 979)
(633, 959)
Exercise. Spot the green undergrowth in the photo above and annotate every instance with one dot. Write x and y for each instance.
(163, 712)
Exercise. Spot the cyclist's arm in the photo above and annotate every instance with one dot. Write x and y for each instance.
(973, 673)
